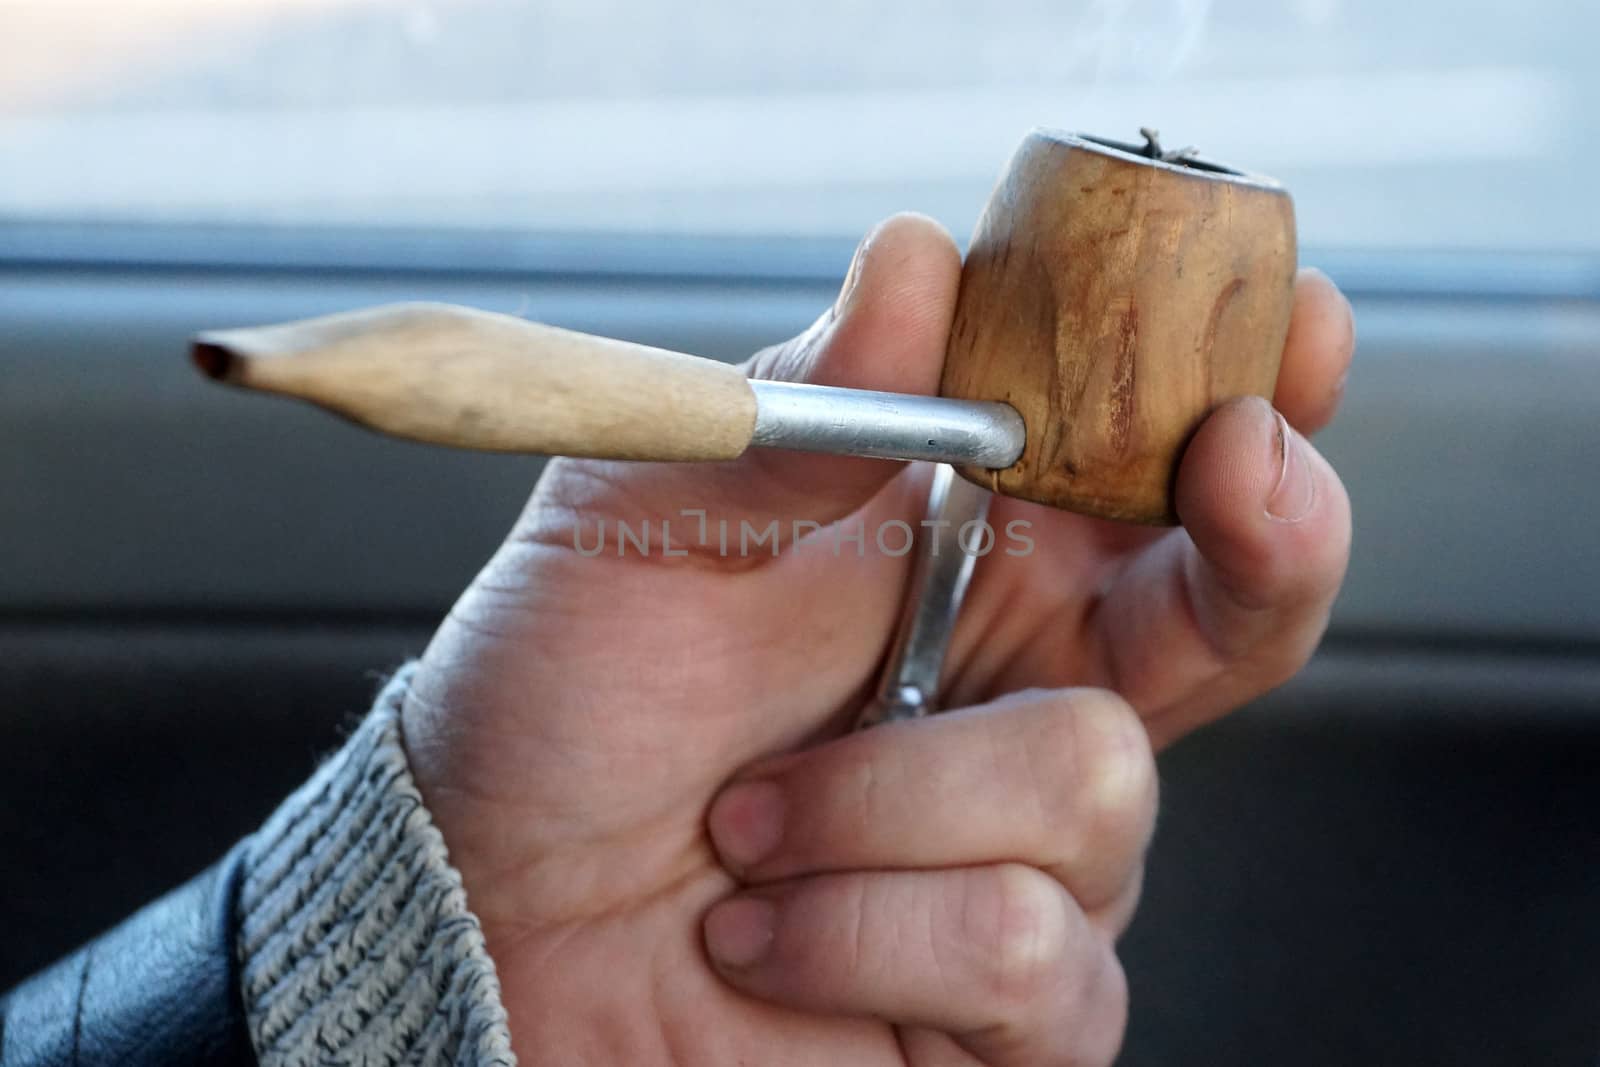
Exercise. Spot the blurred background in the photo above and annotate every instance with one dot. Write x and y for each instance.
(1396, 124)
(1393, 860)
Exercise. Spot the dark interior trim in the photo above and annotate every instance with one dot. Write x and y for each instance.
(490, 255)
(1467, 439)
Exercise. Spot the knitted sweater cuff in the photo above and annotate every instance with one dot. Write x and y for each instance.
(354, 938)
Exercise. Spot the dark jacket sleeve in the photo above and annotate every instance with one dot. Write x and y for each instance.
(162, 988)
(337, 934)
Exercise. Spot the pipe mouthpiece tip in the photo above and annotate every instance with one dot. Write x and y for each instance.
(215, 361)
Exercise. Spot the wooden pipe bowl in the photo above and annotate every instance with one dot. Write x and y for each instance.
(1115, 300)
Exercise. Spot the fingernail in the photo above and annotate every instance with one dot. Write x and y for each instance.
(1296, 491)
(739, 931)
(746, 823)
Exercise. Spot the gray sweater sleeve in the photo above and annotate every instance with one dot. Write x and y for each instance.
(355, 942)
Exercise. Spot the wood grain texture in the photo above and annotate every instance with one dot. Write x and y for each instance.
(451, 375)
(1114, 301)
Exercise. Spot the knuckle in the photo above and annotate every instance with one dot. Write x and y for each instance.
(1283, 659)
(787, 361)
(1090, 1018)
(1116, 783)
(1093, 777)
(1016, 923)
(1101, 1014)
(768, 363)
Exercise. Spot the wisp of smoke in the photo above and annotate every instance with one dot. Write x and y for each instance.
(1140, 40)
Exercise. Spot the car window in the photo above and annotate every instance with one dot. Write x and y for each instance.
(1439, 124)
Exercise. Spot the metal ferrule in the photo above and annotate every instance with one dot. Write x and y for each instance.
(857, 422)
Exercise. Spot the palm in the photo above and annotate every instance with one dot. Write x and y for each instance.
(588, 897)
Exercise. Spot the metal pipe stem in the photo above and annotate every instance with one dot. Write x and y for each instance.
(909, 685)
(859, 422)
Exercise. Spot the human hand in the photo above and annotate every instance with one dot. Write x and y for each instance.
(939, 892)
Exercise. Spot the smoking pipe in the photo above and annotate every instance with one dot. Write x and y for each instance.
(1113, 295)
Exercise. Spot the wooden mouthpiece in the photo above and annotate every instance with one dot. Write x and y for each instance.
(472, 379)
(1115, 295)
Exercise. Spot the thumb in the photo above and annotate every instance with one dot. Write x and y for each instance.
(887, 331)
